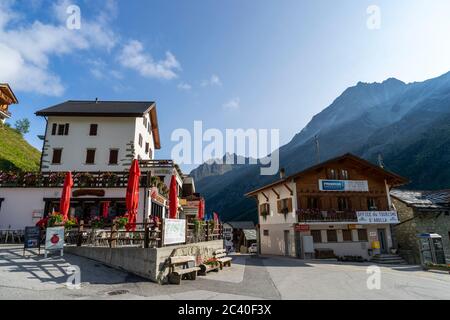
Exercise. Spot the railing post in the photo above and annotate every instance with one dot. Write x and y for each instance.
(146, 233)
(207, 230)
(161, 241)
(113, 239)
(80, 233)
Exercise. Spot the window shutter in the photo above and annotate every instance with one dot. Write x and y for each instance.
(113, 156)
(66, 129)
(290, 204)
(279, 207)
(90, 156)
(54, 127)
(93, 130)
(56, 159)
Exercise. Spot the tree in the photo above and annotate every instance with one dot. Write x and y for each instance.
(22, 126)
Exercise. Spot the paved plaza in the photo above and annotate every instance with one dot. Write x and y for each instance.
(250, 277)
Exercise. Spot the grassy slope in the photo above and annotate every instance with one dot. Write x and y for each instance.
(15, 153)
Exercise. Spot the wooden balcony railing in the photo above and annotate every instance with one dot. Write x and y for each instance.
(311, 215)
(160, 164)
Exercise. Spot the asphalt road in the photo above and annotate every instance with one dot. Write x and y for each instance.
(250, 277)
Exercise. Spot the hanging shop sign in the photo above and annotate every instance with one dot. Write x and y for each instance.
(88, 192)
(373, 217)
(344, 185)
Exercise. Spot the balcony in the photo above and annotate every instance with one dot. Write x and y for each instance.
(152, 164)
(311, 215)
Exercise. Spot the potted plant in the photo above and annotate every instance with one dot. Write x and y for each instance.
(70, 223)
(97, 223)
(121, 222)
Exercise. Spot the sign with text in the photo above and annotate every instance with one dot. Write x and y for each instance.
(373, 217)
(54, 238)
(32, 237)
(344, 185)
(301, 228)
(174, 231)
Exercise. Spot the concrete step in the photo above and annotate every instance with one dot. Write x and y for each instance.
(388, 259)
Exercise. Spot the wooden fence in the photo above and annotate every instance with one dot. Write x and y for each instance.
(147, 235)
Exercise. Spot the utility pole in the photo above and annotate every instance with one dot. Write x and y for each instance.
(316, 139)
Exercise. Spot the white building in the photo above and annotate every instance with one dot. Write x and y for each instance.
(89, 136)
(96, 141)
(340, 207)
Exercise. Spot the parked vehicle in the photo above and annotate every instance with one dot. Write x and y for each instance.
(253, 248)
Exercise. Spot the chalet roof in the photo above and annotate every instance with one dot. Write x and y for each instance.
(99, 108)
(439, 199)
(393, 178)
(6, 89)
(86, 108)
(246, 225)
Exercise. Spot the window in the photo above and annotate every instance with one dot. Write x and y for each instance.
(372, 204)
(54, 127)
(147, 147)
(93, 129)
(347, 235)
(266, 233)
(57, 153)
(63, 129)
(90, 156)
(344, 174)
(145, 122)
(362, 234)
(343, 203)
(150, 153)
(317, 236)
(331, 236)
(140, 140)
(113, 156)
(312, 203)
(284, 205)
(332, 174)
(264, 209)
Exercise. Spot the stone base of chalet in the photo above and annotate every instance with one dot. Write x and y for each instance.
(148, 263)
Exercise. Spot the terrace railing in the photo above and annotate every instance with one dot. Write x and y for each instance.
(308, 215)
(160, 164)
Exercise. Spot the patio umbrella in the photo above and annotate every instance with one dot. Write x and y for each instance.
(132, 198)
(201, 209)
(65, 196)
(105, 209)
(216, 217)
(173, 198)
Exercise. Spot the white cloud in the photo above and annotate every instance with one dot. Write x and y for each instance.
(26, 50)
(134, 57)
(233, 104)
(214, 80)
(184, 86)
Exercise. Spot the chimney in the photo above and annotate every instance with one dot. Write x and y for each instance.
(282, 173)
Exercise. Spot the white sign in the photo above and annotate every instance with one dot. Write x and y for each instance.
(372, 217)
(54, 238)
(344, 185)
(174, 231)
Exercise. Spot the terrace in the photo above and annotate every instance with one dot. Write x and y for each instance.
(311, 215)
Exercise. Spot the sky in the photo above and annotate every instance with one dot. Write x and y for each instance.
(263, 64)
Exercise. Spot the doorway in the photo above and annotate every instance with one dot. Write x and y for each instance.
(382, 239)
(286, 243)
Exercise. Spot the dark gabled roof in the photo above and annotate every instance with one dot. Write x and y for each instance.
(83, 108)
(395, 179)
(421, 199)
(241, 224)
(99, 108)
(9, 92)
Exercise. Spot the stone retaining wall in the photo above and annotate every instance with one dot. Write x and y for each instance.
(148, 263)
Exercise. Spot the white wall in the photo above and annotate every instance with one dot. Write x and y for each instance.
(275, 217)
(147, 138)
(112, 133)
(274, 243)
(18, 205)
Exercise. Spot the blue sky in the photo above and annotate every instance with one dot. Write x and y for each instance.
(232, 64)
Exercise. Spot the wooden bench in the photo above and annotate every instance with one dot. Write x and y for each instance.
(182, 268)
(222, 258)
